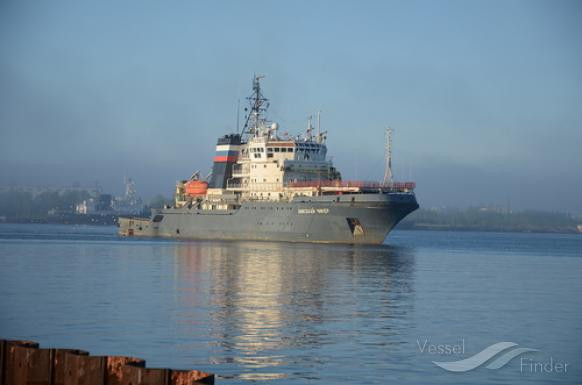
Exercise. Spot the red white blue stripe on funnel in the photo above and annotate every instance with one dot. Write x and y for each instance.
(226, 153)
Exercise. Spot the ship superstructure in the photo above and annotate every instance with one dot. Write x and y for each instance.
(267, 185)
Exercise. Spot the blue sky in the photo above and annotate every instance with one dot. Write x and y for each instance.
(485, 97)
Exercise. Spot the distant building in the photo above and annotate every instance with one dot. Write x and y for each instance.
(88, 206)
(129, 203)
(100, 204)
(104, 202)
(579, 228)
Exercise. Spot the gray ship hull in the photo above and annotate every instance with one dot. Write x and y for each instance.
(349, 218)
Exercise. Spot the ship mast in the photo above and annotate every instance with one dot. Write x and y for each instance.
(388, 168)
(255, 121)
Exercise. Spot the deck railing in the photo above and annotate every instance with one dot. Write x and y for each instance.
(324, 184)
(258, 187)
(395, 186)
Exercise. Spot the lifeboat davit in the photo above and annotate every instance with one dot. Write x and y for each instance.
(196, 187)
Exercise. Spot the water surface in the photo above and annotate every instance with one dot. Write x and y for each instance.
(287, 313)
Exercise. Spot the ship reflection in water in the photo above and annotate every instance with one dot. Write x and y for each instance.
(277, 310)
(292, 313)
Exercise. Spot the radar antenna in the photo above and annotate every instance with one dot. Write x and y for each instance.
(258, 105)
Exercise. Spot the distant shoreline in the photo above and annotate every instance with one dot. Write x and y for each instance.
(488, 230)
(493, 220)
(67, 219)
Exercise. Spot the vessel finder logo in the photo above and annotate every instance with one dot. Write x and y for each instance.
(493, 357)
(485, 355)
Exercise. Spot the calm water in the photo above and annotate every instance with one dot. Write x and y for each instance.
(296, 313)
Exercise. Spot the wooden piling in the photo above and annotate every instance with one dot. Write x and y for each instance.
(24, 363)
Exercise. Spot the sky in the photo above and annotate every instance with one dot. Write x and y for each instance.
(485, 97)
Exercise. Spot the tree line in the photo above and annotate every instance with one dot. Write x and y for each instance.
(491, 220)
(23, 204)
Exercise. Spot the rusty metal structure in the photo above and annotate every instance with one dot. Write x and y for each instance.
(25, 363)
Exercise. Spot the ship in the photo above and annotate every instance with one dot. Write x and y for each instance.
(266, 185)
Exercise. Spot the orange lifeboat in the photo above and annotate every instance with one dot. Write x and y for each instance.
(196, 187)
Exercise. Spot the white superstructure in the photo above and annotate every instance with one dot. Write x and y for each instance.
(268, 163)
